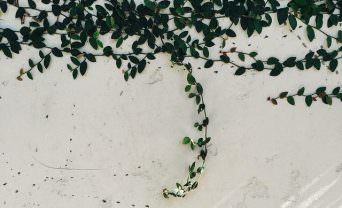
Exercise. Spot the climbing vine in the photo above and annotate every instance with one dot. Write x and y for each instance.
(83, 28)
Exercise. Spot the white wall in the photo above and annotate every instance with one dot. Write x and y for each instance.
(262, 156)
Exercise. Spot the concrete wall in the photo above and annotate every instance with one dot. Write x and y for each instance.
(120, 142)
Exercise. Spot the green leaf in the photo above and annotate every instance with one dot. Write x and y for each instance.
(56, 52)
(32, 4)
(276, 70)
(253, 54)
(258, 65)
(119, 42)
(205, 52)
(193, 52)
(40, 67)
(240, 71)
(333, 65)
(133, 59)
(47, 60)
(179, 23)
(110, 21)
(75, 61)
(187, 88)
(118, 63)
(292, 21)
(141, 66)
(282, 15)
(291, 100)
(186, 140)
(29, 75)
(230, 33)
(329, 40)
(283, 95)
(31, 63)
(300, 65)
(241, 56)
(199, 88)
(290, 62)
(7, 51)
(336, 90)
(126, 75)
(339, 36)
(308, 100)
(83, 68)
(90, 57)
(327, 100)
(320, 90)
(74, 73)
(209, 63)
(301, 91)
(319, 21)
(310, 33)
(191, 79)
(164, 4)
(150, 4)
(225, 58)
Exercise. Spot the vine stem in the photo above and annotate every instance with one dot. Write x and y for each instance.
(194, 175)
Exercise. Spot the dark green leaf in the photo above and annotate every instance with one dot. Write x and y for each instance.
(209, 63)
(282, 15)
(240, 71)
(83, 68)
(56, 52)
(47, 60)
(333, 65)
(74, 73)
(310, 33)
(291, 100)
(29, 75)
(308, 100)
(191, 79)
(292, 21)
(283, 95)
(241, 56)
(301, 91)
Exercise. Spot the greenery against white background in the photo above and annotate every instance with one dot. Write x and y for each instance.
(164, 27)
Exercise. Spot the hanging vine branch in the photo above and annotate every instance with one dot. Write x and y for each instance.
(81, 28)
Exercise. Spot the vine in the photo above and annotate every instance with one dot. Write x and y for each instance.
(163, 26)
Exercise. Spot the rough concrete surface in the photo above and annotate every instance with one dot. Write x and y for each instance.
(101, 142)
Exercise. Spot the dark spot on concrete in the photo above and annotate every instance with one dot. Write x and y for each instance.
(47, 116)
(118, 202)
(104, 201)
